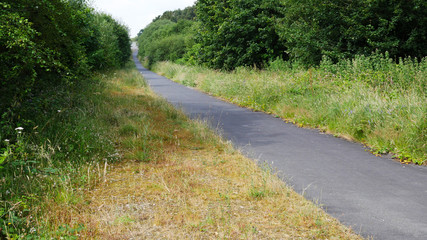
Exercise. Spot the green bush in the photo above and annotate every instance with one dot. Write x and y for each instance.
(56, 45)
(189, 13)
(342, 29)
(166, 40)
(239, 33)
(48, 50)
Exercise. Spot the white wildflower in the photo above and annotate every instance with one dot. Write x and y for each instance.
(59, 111)
(6, 140)
(19, 128)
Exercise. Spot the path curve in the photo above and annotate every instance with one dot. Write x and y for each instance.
(376, 196)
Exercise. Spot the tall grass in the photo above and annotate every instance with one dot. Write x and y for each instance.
(368, 99)
(46, 164)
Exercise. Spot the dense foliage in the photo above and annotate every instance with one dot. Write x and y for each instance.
(49, 50)
(52, 43)
(342, 29)
(239, 33)
(377, 46)
(188, 13)
(166, 40)
(233, 33)
(111, 42)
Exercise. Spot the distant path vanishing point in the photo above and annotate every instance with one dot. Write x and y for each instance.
(376, 196)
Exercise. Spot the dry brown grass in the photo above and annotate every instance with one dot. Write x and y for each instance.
(188, 184)
(204, 194)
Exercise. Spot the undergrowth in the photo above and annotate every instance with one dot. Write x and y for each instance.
(52, 148)
(368, 99)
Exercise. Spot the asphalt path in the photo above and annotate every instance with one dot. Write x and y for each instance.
(376, 196)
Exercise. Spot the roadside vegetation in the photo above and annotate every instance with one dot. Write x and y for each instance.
(370, 100)
(52, 135)
(176, 179)
(86, 150)
(357, 71)
(123, 163)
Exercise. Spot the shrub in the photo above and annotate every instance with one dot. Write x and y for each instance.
(165, 40)
(239, 33)
(343, 29)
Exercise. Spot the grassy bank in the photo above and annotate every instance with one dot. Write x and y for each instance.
(51, 159)
(367, 99)
(161, 176)
(178, 180)
(117, 162)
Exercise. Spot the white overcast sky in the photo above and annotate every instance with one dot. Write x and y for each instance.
(137, 14)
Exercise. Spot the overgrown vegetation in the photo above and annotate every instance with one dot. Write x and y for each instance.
(359, 56)
(165, 40)
(168, 36)
(51, 132)
(368, 99)
(178, 180)
(342, 29)
(129, 156)
(236, 33)
(188, 13)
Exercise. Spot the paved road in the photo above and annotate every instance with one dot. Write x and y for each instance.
(376, 196)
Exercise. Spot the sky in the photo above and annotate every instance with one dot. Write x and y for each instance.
(137, 14)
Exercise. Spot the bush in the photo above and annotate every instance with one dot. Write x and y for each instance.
(343, 29)
(239, 33)
(31, 58)
(111, 41)
(165, 40)
(48, 50)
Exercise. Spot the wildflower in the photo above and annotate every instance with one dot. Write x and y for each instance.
(6, 140)
(59, 111)
(19, 128)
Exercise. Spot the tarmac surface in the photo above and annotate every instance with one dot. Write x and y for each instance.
(376, 196)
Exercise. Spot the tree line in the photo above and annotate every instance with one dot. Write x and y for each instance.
(49, 44)
(225, 34)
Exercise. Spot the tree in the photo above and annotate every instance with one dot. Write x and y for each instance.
(189, 13)
(342, 29)
(53, 43)
(166, 40)
(112, 43)
(239, 32)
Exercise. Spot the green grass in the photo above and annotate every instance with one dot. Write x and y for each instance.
(367, 99)
(61, 152)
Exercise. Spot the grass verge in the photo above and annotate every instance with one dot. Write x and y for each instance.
(367, 99)
(121, 163)
(178, 180)
(48, 162)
